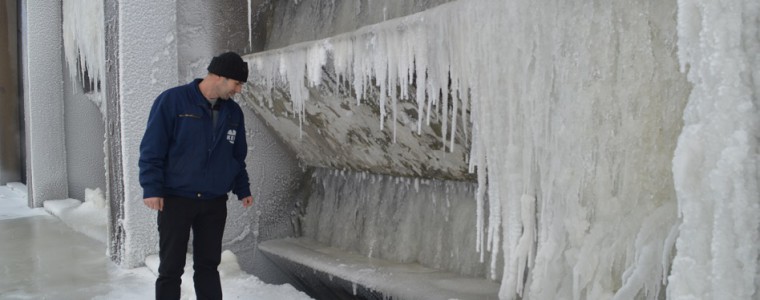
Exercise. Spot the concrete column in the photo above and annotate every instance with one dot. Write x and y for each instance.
(147, 66)
(115, 178)
(10, 159)
(43, 101)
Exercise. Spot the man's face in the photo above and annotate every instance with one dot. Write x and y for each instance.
(229, 87)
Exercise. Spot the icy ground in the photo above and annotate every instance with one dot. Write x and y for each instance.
(88, 218)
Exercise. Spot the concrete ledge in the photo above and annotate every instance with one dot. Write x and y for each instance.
(351, 275)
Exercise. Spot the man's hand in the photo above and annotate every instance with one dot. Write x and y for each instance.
(156, 203)
(248, 201)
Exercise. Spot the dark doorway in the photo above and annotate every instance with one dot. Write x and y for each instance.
(11, 128)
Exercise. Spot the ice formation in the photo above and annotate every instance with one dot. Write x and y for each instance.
(715, 168)
(427, 221)
(84, 45)
(250, 26)
(575, 113)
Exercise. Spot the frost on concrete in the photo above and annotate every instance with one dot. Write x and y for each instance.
(43, 102)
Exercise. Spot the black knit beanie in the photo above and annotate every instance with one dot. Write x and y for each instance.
(229, 65)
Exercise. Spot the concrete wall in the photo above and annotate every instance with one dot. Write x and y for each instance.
(10, 148)
(207, 28)
(43, 101)
(84, 140)
(146, 69)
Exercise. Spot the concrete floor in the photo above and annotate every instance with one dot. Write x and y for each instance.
(42, 258)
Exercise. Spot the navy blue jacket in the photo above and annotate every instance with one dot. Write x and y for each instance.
(182, 155)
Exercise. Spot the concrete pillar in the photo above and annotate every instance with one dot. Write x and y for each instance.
(10, 158)
(43, 101)
(148, 66)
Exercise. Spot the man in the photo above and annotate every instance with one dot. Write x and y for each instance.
(192, 154)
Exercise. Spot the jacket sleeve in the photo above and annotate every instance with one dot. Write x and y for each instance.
(242, 186)
(155, 146)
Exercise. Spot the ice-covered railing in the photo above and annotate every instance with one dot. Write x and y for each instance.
(572, 138)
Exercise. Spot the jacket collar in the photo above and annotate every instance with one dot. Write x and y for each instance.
(199, 99)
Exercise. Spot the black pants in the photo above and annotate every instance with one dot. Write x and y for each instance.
(206, 218)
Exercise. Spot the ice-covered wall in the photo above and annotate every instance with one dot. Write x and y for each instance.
(359, 142)
(275, 180)
(147, 66)
(84, 109)
(575, 109)
(205, 29)
(407, 220)
(338, 131)
(85, 131)
(717, 161)
(292, 22)
(43, 101)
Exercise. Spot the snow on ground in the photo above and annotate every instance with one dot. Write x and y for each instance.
(89, 218)
(236, 284)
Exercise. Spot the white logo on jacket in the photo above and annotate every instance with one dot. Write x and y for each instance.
(231, 135)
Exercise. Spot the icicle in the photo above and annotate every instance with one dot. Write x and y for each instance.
(84, 45)
(454, 114)
(480, 198)
(316, 59)
(523, 254)
(380, 67)
(419, 57)
(391, 54)
(292, 69)
(250, 27)
(444, 116)
(465, 109)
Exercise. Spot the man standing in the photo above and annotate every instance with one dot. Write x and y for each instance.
(192, 154)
